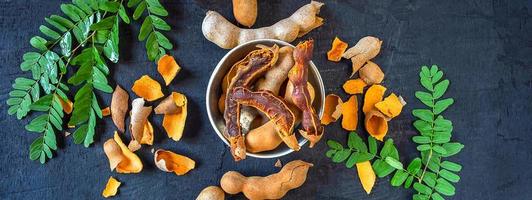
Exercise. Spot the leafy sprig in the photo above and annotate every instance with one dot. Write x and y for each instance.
(431, 176)
(156, 43)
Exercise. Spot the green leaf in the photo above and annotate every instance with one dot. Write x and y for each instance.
(104, 24)
(398, 178)
(69, 10)
(38, 43)
(449, 176)
(43, 104)
(334, 145)
(152, 47)
(330, 153)
(36, 148)
(389, 150)
(110, 6)
(132, 3)
(80, 133)
(159, 23)
(123, 15)
(63, 21)
(425, 72)
(341, 155)
(49, 32)
(355, 142)
(82, 105)
(50, 139)
(423, 114)
(437, 77)
(430, 179)
(451, 166)
(421, 139)
(441, 105)
(423, 189)
(452, 148)
(394, 163)
(38, 124)
(156, 8)
(372, 143)
(440, 89)
(425, 98)
(145, 29)
(439, 149)
(66, 44)
(414, 166)
(56, 24)
(420, 197)
(436, 196)
(381, 168)
(423, 147)
(139, 10)
(427, 83)
(163, 41)
(408, 182)
(83, 6)
(444, 187)
(352, 160)
(433, 70)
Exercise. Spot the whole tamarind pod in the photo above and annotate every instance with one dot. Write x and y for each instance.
(275, 108)
(298, 76)
(254, 65)
(245, 11)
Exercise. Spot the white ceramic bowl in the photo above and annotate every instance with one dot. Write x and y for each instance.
(214, 92)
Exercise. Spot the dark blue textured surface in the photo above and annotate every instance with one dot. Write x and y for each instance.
(484, 47)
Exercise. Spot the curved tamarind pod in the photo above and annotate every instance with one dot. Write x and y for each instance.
(275, 108)
(226, 35)
(272, 81)
(298, 76)
(254, 65)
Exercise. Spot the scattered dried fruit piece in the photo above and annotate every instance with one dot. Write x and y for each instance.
(275, 108)
(120, 157)
(171, 162)
(350, 114)
(139, 119)
(211, 193)
(371, 73)
(298, 76)
(111, 188)
(119, 106)
(174, 120)
(274, 186)
(168, 68)
(332, 109)
(376, 124)
(391, 106)
(373, 96)
(245, 11)
(66, 104)
(106, 111)
(147, 135)
(354, 86)
(337, 50)
(366, 49)
(67, 133)
(278, 163)
(366, 175)
(147, 88)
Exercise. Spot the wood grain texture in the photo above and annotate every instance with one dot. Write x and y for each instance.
(484, 47)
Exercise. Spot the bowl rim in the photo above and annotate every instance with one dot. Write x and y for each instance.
(210, 90)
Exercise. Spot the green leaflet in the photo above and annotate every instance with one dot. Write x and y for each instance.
(156, 43)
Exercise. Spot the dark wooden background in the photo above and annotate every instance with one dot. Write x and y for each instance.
(484, 47)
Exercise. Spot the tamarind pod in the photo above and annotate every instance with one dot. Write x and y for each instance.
(298, 76)
(223, 33)
(274, 108)
(254, 65)
(245, 11)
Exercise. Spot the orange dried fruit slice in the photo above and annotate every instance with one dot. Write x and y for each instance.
(376, 124)
(147, 88)
(174, 122)
(391, 106)
(366, 175)
(120, 157)
(111, 188)
(171, 162)
(350, 114)
(337, 50)
(373, 96)
(168, 68)
(332, 109)
(354, 86)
